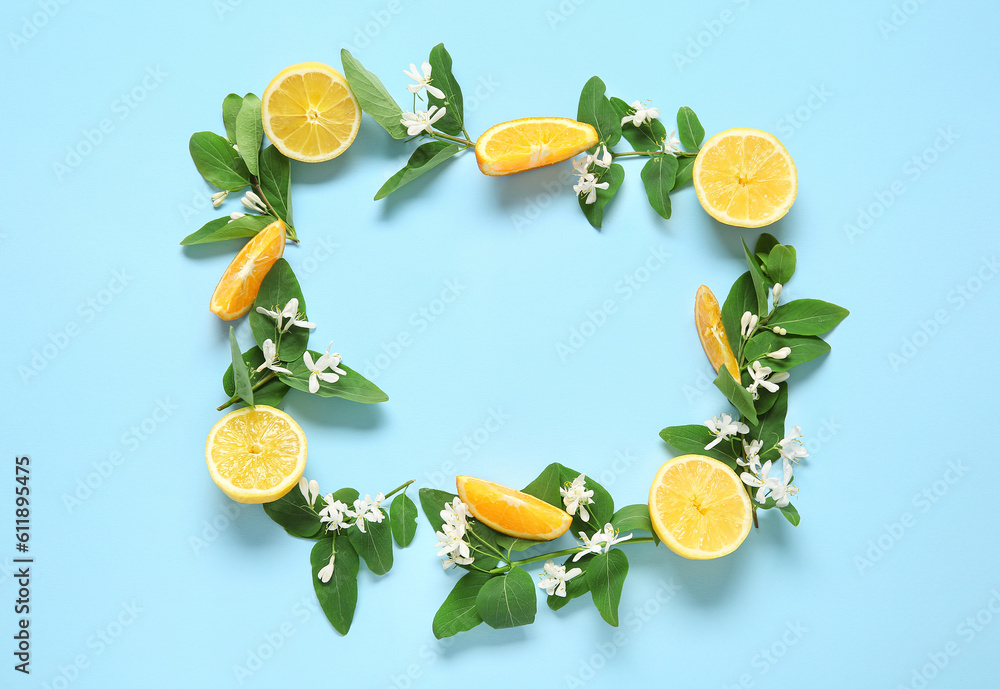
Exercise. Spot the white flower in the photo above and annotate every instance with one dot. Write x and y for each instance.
(672, 144)
(253, 202)
(582, 165)
(781, 490)
(575, 497)
(589, 185)
(641, 115)
(748, 323)
(309, 490)
(761, 376)
(759, 480)
(270, 362)
(790, 447)
(318, 369)
(455, 513)
(367, 510)
(555, 578)
(326, 573)
(724, 428)
(335, 514)
(751, 451)
(291, 312)
(779, 353)
(600, 543)
(776, 292)
(235, 215)
(218, 197)
(236, 148)
(451, 538)
(779, 331)
(423, 80)
(421, 120)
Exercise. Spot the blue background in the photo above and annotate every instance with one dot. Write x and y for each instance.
(888, 109)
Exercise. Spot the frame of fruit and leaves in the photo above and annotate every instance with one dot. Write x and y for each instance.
(766, 338)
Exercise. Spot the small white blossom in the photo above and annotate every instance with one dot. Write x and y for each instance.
(367, 510)
(291, 312)
(555, 577)
(575, 497)
(641, 115)
(779, 331)
(781, 490)
(335, 514)
(421, 120)
(589, 185)
(423, 81)
(325, 369)
(600, 543)
(751, 451)
(748, 323)
(776, 292)
(253, 202)
(270, 358)
(758, 480)
(309, 490)
(455, 513)
(235, 215)
(761, 376)
(779, 353)
(790, 447)
(672, 144)
(218, 197)
(724, 428)
(326, 573)
(236, 148)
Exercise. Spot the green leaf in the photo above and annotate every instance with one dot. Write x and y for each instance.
(684, 166)
(647, 137)
(249, 132)
(353, 386)
(780, 263)
(605, 576)
(692, 439)
(658, 176)
(293, 515)
(276, 182)
(270, 393)
(346, 495)
(424, 159)
(575, 587)
(689, 129)
(217, 162)
(278, 288)
(736, 394)
(596, 110)
(432, 502)
(600, 510)
(508, 600)
(632, 517)
(765, 243)
(804, 348)
(546, 486)
(807, 316)
(372, 96)
(374, 545)
(742, 298)
(614, 176)
(230, 109)
(791, 514)
(760, 285)
(771, 427)
(339, 597)
(240, 373)
(442, 78)
(403, 518)
(458, 612)
(224, 228)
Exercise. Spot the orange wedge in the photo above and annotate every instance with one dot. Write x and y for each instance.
(512, 512)
(238, 287)
(745, 177)
(699, 507)
(511, 147)
(309, 112)
(708, 319)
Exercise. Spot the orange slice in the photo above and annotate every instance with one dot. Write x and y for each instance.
(238, 287)
(745, 177)
(519, 145)
(512, 512)
(256, 454)
(699, 507)
(309, 112)
(708, 319)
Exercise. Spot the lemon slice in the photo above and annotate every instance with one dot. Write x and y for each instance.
(309, 112)
(256, 454)
(708, 320)
(745, 177)
(699, 507)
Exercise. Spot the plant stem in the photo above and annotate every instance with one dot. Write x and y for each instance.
(255, 185)
(441, 135)
(398, 488)
(236, 398)
(558, 553)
